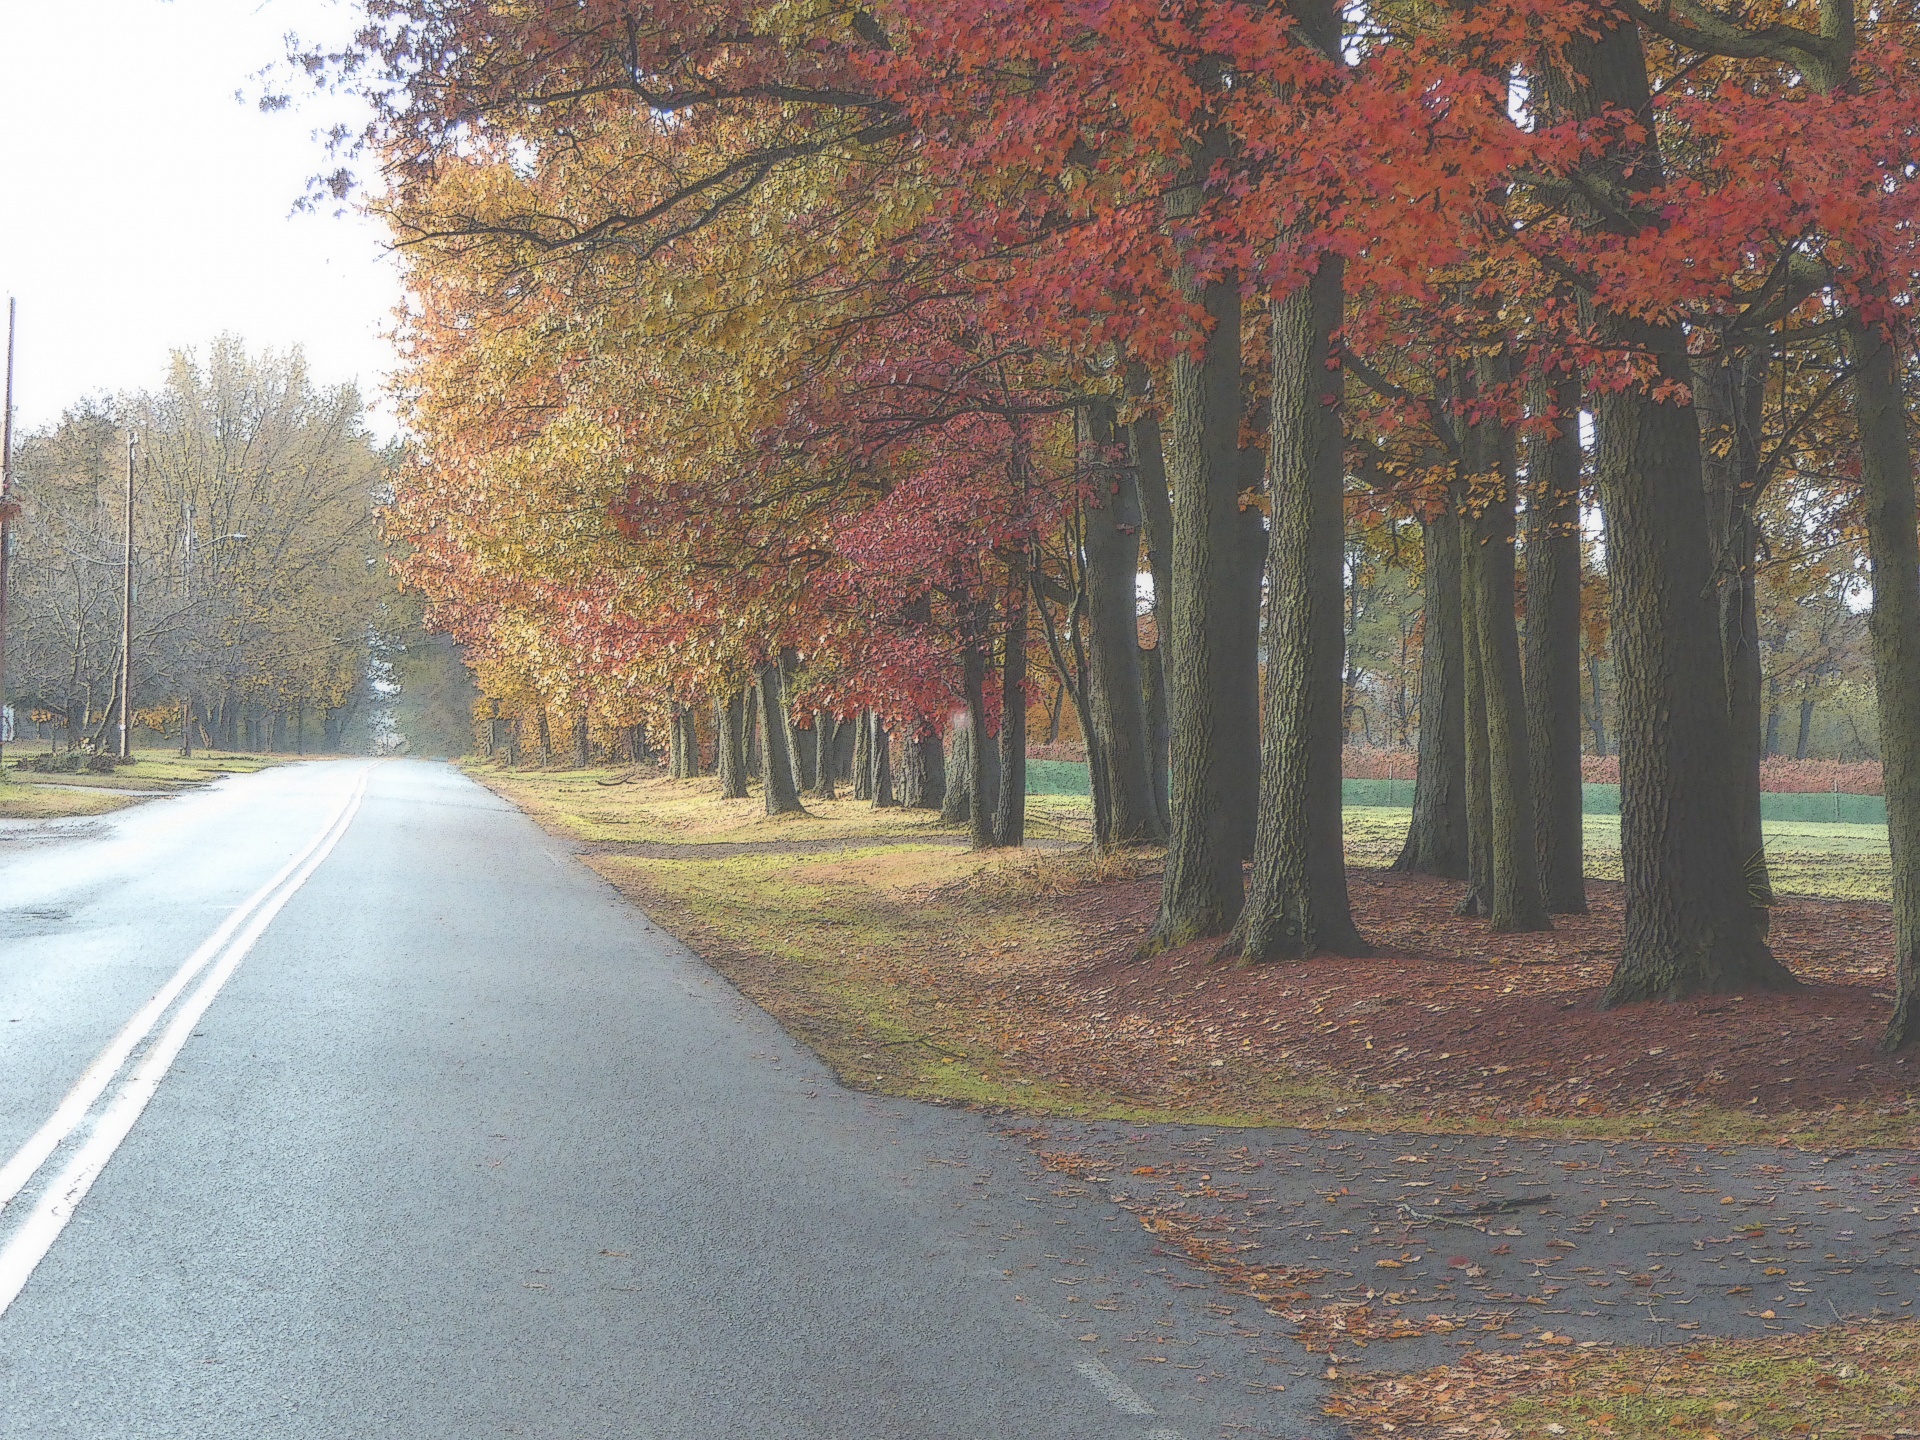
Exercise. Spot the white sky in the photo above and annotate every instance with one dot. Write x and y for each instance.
(144, 209)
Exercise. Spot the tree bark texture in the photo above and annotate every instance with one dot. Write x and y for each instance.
(782, 791)
(1298, 902)
(1730, 399)
(1886, 472)
(1436, 841)
(1478, 899)
(1689, 926)
(1201, 891)
(863, 756)
(923, 773)
(880, 753)
(826, 734)
(1553, 648)
(1156, 514)
(1515, 901)
(1111, 540)
(730, 739)
(1010, 811)
(957, 807)
(983, 789)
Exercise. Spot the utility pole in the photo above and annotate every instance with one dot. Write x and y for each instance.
(186, 690)
(7, 509)
(126, 622)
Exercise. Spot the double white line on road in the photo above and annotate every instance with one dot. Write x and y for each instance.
(138, 1059)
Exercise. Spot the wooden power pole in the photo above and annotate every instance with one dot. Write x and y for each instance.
(126, 622)
(7, 511)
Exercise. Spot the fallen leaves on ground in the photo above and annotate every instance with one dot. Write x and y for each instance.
(1854, 1382)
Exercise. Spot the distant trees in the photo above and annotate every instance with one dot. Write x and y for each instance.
(261, 593)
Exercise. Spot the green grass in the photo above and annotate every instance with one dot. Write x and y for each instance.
(1841, 862)
(1846, 1382)
(20, 801)
(29, 795)
(151, 770)
(1834, 1383)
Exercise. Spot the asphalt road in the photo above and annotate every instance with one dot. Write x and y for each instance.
(439, 1137)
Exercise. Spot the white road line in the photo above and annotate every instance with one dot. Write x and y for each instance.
(96, 1077)
(43, 1224)
(1122, 1396)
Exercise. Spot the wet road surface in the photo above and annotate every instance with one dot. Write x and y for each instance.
(342, 1114)
(340, 1101)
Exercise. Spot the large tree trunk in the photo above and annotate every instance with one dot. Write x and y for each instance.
(923, 778)
(696, 762)
(1478, 899)
(582, 742)
(1118, 743)
(1886, 474)
(1553, 648)
(1010, 811)
(878, 752)
(806, 758)
(782, 792)
(730, 740)
(957, 807)
(1730, 397)
(983, 790)
(1690, 928)
(1153, 687)
(1515, 902)
(1298, 900)
(1201, 893)
(863, 756)
(1156, 513)
(827, 732)
(546, 735)
(1437, 836)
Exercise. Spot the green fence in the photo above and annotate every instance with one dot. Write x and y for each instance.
(1068, 777)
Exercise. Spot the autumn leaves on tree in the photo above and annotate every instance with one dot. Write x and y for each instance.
(778, 367)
